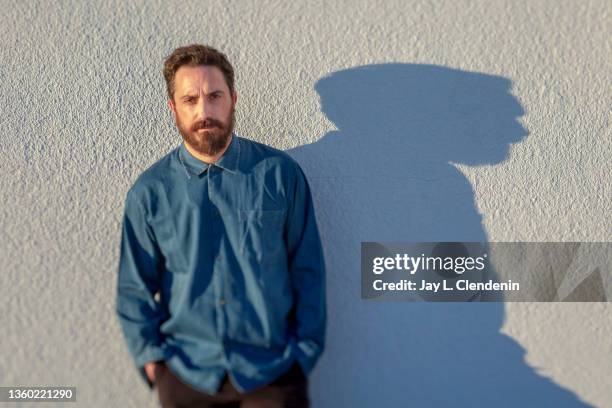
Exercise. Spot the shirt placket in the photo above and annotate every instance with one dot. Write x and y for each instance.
(219, 276)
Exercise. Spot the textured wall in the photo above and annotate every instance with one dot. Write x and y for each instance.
(413, 120)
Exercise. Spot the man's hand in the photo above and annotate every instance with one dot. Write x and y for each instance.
(152, 369)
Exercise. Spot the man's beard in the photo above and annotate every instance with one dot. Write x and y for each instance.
(208, 142)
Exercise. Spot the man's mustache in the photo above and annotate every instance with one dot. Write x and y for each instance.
(207, 123)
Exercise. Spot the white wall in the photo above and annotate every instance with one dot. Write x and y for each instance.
(374, 99)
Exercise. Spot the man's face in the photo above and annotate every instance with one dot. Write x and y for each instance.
(203, 108)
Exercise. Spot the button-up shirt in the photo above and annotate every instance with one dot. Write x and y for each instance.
(221, 268)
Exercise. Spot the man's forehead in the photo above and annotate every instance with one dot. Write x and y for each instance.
(208, 77)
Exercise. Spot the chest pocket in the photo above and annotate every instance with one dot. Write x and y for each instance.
(261, 234)
(169, 244)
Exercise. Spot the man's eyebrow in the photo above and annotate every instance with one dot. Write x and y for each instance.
(194, 95)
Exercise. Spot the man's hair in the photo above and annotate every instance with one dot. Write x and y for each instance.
(194, 55)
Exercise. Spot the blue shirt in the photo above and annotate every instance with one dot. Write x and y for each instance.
(221, 268)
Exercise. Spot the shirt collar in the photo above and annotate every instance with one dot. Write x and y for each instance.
(194, 166)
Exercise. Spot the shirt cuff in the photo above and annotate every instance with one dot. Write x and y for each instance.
(307, 353)
(151, 353)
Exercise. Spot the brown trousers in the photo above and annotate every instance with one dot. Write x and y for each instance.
(290, 390)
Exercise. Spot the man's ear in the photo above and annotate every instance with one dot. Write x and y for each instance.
(234, 97)
(172, 108)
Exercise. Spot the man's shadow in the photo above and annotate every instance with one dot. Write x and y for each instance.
(387, 175)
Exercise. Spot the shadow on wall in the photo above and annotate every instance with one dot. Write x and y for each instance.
(386, 174)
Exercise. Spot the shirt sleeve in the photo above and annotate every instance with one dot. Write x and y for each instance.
(307, 270)
(138, 280)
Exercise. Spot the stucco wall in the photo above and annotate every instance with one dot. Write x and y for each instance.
(375, 99)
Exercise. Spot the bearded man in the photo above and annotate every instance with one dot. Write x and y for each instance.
(221, 278)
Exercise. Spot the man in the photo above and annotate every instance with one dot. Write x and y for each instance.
(221, 281)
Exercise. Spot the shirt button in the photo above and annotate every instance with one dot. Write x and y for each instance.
(221, 302)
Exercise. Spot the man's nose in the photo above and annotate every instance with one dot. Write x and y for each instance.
(202, 109)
